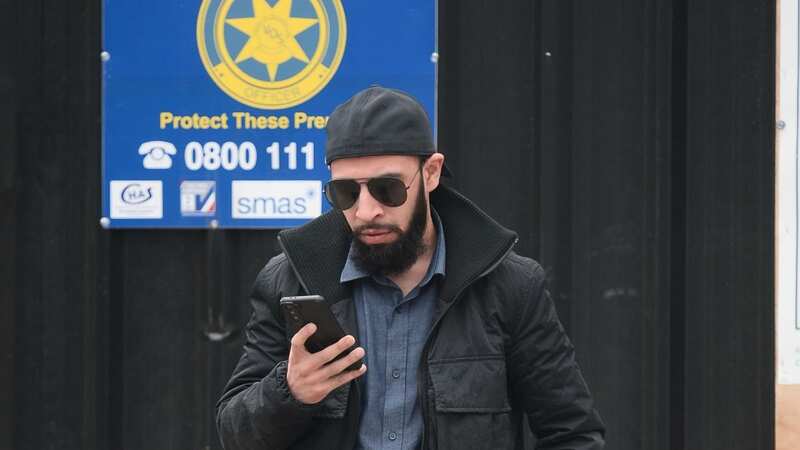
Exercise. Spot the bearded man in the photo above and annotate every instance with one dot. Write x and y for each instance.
(461, 343)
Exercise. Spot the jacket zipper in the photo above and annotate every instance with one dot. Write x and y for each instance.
(422, 372)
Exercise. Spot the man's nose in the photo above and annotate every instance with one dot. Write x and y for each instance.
(367, 208)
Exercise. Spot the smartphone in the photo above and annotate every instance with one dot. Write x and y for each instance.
(300, 310)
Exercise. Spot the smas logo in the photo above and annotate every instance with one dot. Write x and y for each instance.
(278, 199)
(271, 54)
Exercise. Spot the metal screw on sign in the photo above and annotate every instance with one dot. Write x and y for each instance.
(781, 124)
(105, 222)
(105, 56)
(214, 224)
(434, 57)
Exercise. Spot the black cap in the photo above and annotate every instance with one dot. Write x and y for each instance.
(379, 121)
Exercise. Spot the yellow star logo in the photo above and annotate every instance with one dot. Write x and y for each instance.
(272, 32)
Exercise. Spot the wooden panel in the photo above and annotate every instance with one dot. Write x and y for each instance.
(176, 286)
(592, 169)
(486, 108)
(162, 351)
(629, 142)
(55, 211)
(621, 148)
(729, 266)
(787, 420)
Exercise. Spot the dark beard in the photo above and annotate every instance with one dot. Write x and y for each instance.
(396, 257)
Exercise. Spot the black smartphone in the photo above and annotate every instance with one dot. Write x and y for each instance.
(300, 310)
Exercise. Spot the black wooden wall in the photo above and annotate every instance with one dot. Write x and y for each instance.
(629, 142)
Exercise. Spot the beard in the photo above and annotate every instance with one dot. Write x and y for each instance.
(395, 257)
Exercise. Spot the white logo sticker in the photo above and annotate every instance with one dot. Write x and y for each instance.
(136, 199)
(286, 199)
(198, 198)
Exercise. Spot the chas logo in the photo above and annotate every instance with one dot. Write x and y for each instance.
(271, 54)
(135, 193)
(292, 199)
(136, 199)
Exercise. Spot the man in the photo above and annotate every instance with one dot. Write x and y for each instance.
(460, 339)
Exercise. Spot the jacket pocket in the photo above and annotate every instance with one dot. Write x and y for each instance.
(334, 406)
(470, 396)
(470, 384)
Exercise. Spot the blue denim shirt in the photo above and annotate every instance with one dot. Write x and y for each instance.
(392, 329)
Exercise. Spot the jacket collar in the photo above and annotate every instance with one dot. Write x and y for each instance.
(317, 251)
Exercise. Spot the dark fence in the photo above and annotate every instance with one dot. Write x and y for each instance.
(630, 143)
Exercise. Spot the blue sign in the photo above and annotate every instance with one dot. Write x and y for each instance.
(214, 112)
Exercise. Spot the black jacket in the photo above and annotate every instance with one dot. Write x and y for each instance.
(496, 354)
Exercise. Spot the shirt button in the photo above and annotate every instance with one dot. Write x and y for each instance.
(392, 436)
(395, 373)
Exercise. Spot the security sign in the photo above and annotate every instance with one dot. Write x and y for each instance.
(214, 112)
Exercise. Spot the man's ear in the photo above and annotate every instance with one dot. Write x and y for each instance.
(432, 171)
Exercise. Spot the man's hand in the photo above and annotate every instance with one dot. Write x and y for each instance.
(312, 376)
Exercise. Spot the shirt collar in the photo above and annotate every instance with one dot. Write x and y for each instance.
(352, 272)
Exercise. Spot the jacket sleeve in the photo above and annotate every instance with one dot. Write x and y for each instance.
(257, 410)
(546, 378)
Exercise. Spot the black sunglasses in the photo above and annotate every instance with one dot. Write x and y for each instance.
(344, 193)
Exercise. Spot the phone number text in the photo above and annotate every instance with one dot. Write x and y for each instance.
(231, 156)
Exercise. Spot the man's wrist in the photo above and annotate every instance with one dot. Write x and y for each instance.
(283, 385)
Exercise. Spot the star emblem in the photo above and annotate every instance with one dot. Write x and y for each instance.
(272, 35)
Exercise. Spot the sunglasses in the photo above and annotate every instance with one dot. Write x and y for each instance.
(389, 191)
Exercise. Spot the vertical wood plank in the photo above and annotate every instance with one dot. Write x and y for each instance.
(163, 355)
(553, 71)
(28, 403)
(621, 145)
(94, 242)
(486, 107)
(729, 262)
(56, 279)
(8, 227)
